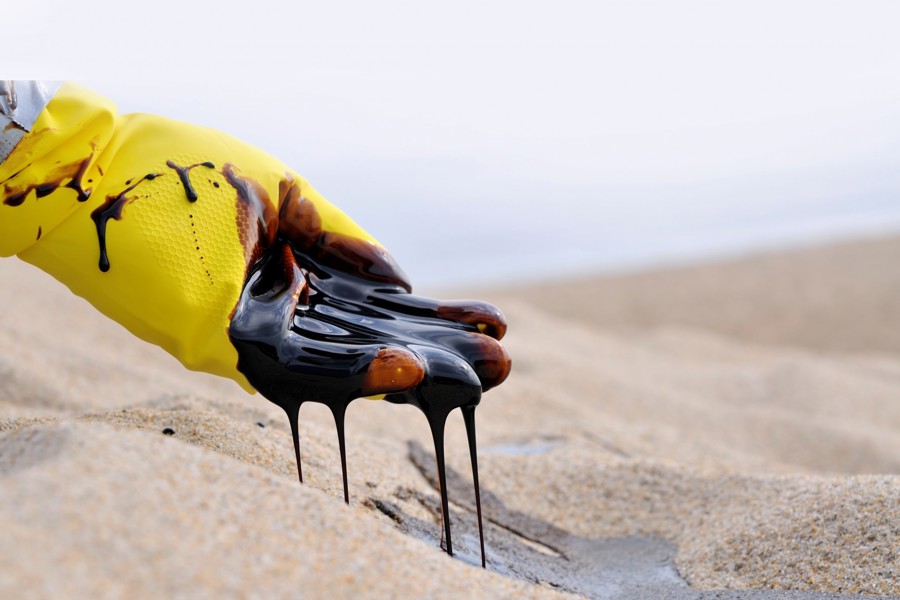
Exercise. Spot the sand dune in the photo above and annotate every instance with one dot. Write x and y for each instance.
(721, 427)
(839, 297)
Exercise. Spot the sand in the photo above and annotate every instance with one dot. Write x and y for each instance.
(728, 430)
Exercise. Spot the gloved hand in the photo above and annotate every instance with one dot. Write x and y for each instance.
(229, 260)
(157, 222)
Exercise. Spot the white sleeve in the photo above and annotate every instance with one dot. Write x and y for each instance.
(20, 104)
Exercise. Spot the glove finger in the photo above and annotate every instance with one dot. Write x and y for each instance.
(485, 355)
(299, 222)
(485, 317)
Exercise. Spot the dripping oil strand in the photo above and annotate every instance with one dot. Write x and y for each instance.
(184, 176)
(339, 410)
(437, 422)
(293, 413)
(112, 209)
(468, 413)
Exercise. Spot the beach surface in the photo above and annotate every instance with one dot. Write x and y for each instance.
(727, 430)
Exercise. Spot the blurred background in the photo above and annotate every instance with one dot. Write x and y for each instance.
(494, 142)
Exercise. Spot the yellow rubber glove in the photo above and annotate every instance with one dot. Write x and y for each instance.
(220, 254)
(156, 222)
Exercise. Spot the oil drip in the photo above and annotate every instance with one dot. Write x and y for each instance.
(184, 176)
(306, 331)
(112, 209)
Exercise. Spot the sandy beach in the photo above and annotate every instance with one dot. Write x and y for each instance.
(726, 430)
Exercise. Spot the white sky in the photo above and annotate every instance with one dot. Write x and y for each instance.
(611, 131)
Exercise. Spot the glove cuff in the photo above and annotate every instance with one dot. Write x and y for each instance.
(20, 104)
(58, 156)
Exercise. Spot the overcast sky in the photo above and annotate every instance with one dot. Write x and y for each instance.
(483, 140)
